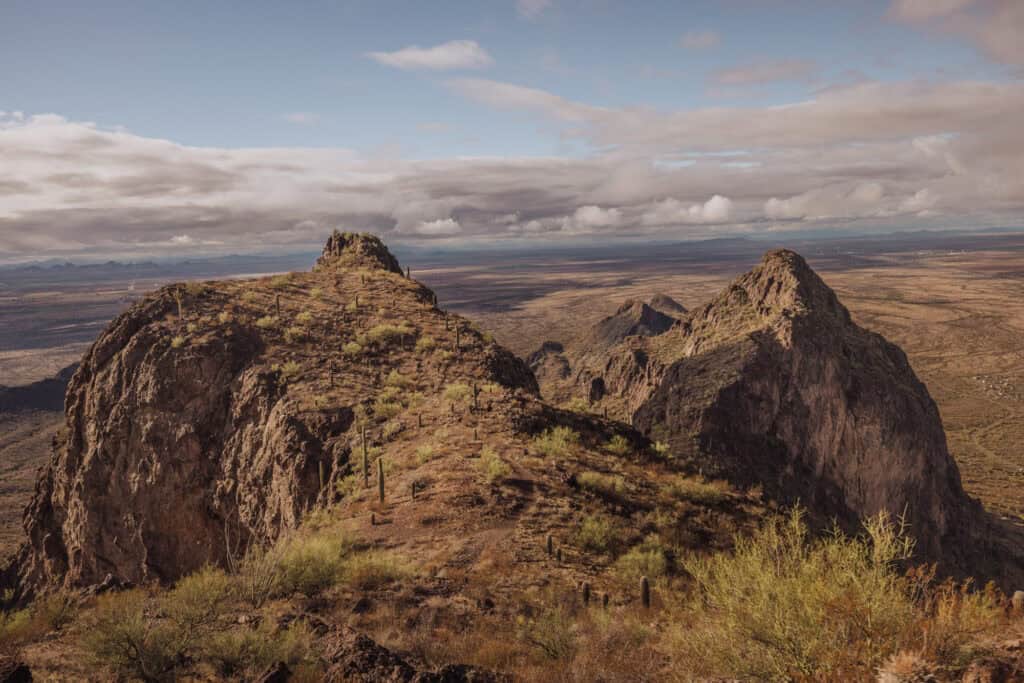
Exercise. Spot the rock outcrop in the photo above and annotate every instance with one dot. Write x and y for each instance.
(772, 383)
(208, 416)
(573, 370)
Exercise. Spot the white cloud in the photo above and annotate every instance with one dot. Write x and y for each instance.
(699, 40)
(671, 211)
(442, 226)
(590, 218)
(994, 26)
(531, 9)
(509, 96)
(455, 54)
(765, 71)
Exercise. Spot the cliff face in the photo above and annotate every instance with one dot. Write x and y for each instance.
(207, 416)
(772, 383)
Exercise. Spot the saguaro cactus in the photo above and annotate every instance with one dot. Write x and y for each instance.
(366, 460)
(586, 593)
(380, 479)
(551, 545)
(645, 592)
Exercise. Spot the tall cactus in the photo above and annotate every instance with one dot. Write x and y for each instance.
(645, 592)
(380, 479)
(366, 460)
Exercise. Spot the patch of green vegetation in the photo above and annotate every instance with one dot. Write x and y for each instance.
(224, 317)
(491, 466)
(577, 405)
(557, 442)
(316, 293)
(602, 484)
(648, 559)
(425, 453)
(387, 333)
(351, 349)
(177, 342)
(457, 392)
(398, 380)
(619, 445)
(425, 344)
(280, 281)
(698, 490)
(294, 334)
(289, 370)
(373, 569)
(267, 322)
(660, 449)
(599, 534)
(304, 318)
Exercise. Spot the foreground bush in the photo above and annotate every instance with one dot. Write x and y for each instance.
(557, 442)
(786, 607)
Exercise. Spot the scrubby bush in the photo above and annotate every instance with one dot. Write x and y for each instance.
(599, 534)
(294, 334)
(244, 650)
(387, 333)
(491, 466)
(698, 490)
(457, 392)
(373, 569)
(425, 343)
(316, 292)
(351, 349)
(602, 484)
(224, 317)
(553, 632)
(784, 606)
(280, 281)
(311, 562)
(661, 450)
(618, 445)
(649, 559)
(398, 380)
(557, 442)
(177, 342)
(577, 405)
(290, 369)
(304, 318)
(121, 637)
(266, 322)
(425, 453)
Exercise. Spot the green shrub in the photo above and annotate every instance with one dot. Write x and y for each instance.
(280, 281)
(351, 307)
(177, 342)
(294, 334)
(398, 380)
(311, 562)
(387, 333)
(618, 445)
(698, 490)
(553, 632)
(457, 392)
(557, 442)
(660, 449)
(599, 534)
(260, 574)
(425, 453)
(290, 370)
(386, 408)
(647, 559)
(224, 317)
(351, 349)
(784, 606)
(425, 344)
(577, 405)
(373, 569)
(243, 650)
(248, 296)
(266, 322)
(602, 484)
(316, 292)
(121, 637)
(304, 318)
(491, 466)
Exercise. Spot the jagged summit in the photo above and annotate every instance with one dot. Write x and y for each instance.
(667, 305)
(784, 281)
(352, 249)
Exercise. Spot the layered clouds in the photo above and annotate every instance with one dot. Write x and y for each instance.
(873, 154)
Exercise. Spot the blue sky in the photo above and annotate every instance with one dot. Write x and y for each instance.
(615, 89)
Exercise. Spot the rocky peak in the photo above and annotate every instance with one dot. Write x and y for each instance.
(667, 305)
(784, 283)
(360, 250)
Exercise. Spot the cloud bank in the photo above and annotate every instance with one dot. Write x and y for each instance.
(455, 54)
(874, 155)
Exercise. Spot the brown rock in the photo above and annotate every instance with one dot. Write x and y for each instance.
(355, 658)
(773, 383)
(13, 670)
